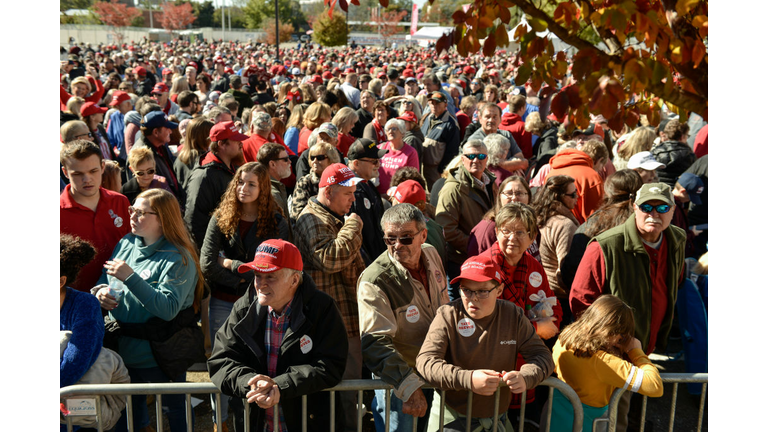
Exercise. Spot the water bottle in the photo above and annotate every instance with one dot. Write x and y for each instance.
(116, 289)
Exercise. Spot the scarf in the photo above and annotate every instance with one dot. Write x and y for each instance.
(380, 135)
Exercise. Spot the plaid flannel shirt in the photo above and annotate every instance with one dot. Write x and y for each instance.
(306, 188)
(276, 325)
(330, 249)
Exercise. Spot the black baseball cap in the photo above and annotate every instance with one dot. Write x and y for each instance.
(365, 148)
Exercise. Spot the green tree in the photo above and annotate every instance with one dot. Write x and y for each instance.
(239, 18)
(257, 11)
(330, 31)
(204, 12)
(74, 4)
(650, 52)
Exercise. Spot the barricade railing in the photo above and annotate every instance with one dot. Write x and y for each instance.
(675, 379)
(188, 389)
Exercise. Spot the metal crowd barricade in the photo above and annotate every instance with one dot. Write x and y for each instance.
(675, 379)
(159, 389)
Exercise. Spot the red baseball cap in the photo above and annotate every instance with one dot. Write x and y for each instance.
(138, 70)
(119, 97)
(411, 192)
(90, 108)
(408, 116)
(160, 88)
(339, 174)
(226, 130)
(494, 73)
(167, 71)
(408, 73)
(327, 75)
(468, 70)
(273, 255)
(316, 79)
(381, 75)
(479, 268)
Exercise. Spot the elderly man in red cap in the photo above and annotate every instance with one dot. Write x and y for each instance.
(283, 339)
(330, 245)
(160, 95)
(208, 182)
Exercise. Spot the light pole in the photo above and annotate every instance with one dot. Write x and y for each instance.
(277, 32)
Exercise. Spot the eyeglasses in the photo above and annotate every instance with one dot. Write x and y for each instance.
(138, 212)
(519, 234)
(573, 194)
(318, 157)
(474, 156)
(513, 194)
(89, 135)
(392, 130)
(285, 159)
(147, 172)
(371, 161)
(476, 294)
(405, 241)
(660, 209)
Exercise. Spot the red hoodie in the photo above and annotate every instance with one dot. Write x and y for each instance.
(516, 126)
(589, 184)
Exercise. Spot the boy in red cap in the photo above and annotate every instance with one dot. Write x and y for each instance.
(481, 335)
(255, 356)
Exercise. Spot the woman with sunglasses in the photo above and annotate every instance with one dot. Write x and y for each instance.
(246, 216)
(141, 162)
(321, 155)
(162, 286)
(557, 225)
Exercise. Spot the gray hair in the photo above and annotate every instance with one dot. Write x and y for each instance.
(498, 147)
(215, 112)
(312, 140)
(261, 121)
(476, 144)
(402, 214)
(397, 123)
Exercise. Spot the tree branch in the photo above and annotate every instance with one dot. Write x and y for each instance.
(610, 40)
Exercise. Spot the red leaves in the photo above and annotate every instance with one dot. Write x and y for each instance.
(115, 14)
(343, 5)
(444, 42)
(559, 105)
(177, 17)
(606, 97)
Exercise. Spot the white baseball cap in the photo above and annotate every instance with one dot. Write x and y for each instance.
(644, 160)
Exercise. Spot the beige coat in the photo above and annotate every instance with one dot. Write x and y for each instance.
(556, 237)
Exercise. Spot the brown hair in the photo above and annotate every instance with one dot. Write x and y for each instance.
(606, 318)
(111, 178)
(196, 140)
(640, 140)
(230, 210)
(80, 150)
(74, 254)
(595, 149)
(316, 114)
(620, 190)
(549, 197)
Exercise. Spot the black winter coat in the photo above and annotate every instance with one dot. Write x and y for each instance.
(239, 249)
(206, 184)
(239, 353)
(546, 147)
(677, 157)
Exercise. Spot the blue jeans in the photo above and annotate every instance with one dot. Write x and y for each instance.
(452, 270)
(397, 420)
(175, 404)
(218, 312)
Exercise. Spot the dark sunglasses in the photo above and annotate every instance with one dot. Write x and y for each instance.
(284, 159)
(148, 172)
(318, 157)
(480, 156)
(660, 209)
(406, 241)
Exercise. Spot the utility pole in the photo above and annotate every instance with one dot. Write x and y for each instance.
(229, 17)
(151, 23)
(277, 32)
(223, 21)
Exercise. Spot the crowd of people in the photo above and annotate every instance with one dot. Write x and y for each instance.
(303, 217)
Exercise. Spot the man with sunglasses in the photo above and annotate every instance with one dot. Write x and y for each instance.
(275, 157)
(363, 159)
(398, 296)
(641, 262)
(466, 196)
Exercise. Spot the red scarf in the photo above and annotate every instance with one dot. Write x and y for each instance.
(380, 135)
